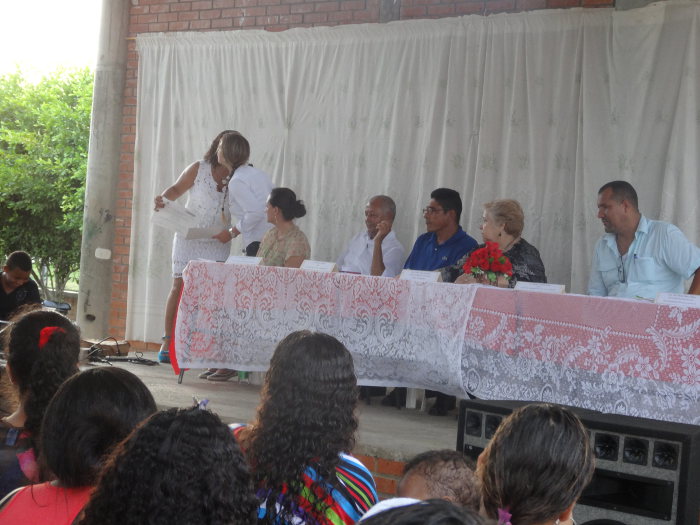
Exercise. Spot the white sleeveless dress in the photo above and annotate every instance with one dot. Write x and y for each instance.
(205, 202)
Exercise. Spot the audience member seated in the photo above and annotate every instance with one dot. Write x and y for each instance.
(179, 466)
(285, 244)
(429, 512)
(375, 251)
(445, 474)
(441, 246)
(305, 426)
(42, 351)
(535, 467)
(17, 287)
(88, 416)
(503, 222)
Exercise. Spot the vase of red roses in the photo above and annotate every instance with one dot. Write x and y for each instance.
(488, 265)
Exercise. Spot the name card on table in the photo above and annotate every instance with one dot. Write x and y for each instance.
(243, 259)
(678, 299)
(421, 276)
(540, 287)
(319, 266)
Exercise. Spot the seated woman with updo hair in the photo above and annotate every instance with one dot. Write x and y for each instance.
(305, 427)
(285, 244)
(503, 222)
(535, 467)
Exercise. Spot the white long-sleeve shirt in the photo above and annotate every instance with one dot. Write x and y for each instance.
(357, 257)
(249, 189)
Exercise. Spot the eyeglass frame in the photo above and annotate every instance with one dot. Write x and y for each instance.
(429, 210)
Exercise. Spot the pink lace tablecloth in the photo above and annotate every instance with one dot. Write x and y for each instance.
(611, 355)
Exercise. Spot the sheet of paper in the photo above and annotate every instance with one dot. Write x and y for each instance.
(202, 233)
(319, 266)
(540, 287)
(420, 275)
(243, 259)
(175, 217)
(678, 299)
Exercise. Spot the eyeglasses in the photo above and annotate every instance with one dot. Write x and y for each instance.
(430, 210)
(621, 271)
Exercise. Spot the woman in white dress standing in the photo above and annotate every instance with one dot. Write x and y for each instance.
(206, 181)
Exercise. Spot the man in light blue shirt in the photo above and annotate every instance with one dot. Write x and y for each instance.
(638, 257)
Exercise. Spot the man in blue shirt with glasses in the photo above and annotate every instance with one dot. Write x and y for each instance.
(445, 241)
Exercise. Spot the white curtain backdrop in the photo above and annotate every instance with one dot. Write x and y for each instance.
(543, 107)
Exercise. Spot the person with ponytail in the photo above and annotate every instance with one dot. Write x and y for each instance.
(90, 413)
(42, 351)
(285, 244)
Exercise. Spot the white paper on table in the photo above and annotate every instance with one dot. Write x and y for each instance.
(243, 259)
(678, 299)
(540, 287)
(421, 276)
(319, 266)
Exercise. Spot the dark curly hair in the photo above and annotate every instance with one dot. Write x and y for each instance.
(306, 418)
(38, 372)
(91, 412)
(179, 466)
(428, 512)
(536, 465)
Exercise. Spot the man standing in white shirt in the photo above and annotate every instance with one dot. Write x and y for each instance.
(375, 251)
(248, 192)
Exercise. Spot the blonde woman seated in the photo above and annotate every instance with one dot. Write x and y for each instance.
(503, 223)
(285, 244)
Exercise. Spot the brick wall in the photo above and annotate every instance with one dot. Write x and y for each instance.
(386, 473)
(272, 15)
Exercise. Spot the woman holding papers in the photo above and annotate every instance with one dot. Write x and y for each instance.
(285, 244)
(503, 222)
(206, 181)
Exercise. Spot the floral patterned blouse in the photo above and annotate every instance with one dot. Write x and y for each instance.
(525, 258)
(275, 249)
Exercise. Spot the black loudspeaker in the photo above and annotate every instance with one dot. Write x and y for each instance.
(647, 471)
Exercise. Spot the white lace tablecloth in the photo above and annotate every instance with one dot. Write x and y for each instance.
(611, 355)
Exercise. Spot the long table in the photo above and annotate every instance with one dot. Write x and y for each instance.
(612, 355)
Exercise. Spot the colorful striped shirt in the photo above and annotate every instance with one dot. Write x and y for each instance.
(345, 502)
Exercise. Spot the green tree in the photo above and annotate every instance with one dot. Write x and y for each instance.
(44, 133)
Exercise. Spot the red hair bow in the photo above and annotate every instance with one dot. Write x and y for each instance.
(46, 334)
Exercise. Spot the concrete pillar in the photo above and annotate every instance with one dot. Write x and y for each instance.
(103, 172)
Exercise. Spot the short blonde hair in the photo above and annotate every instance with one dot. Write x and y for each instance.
(509, 213)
